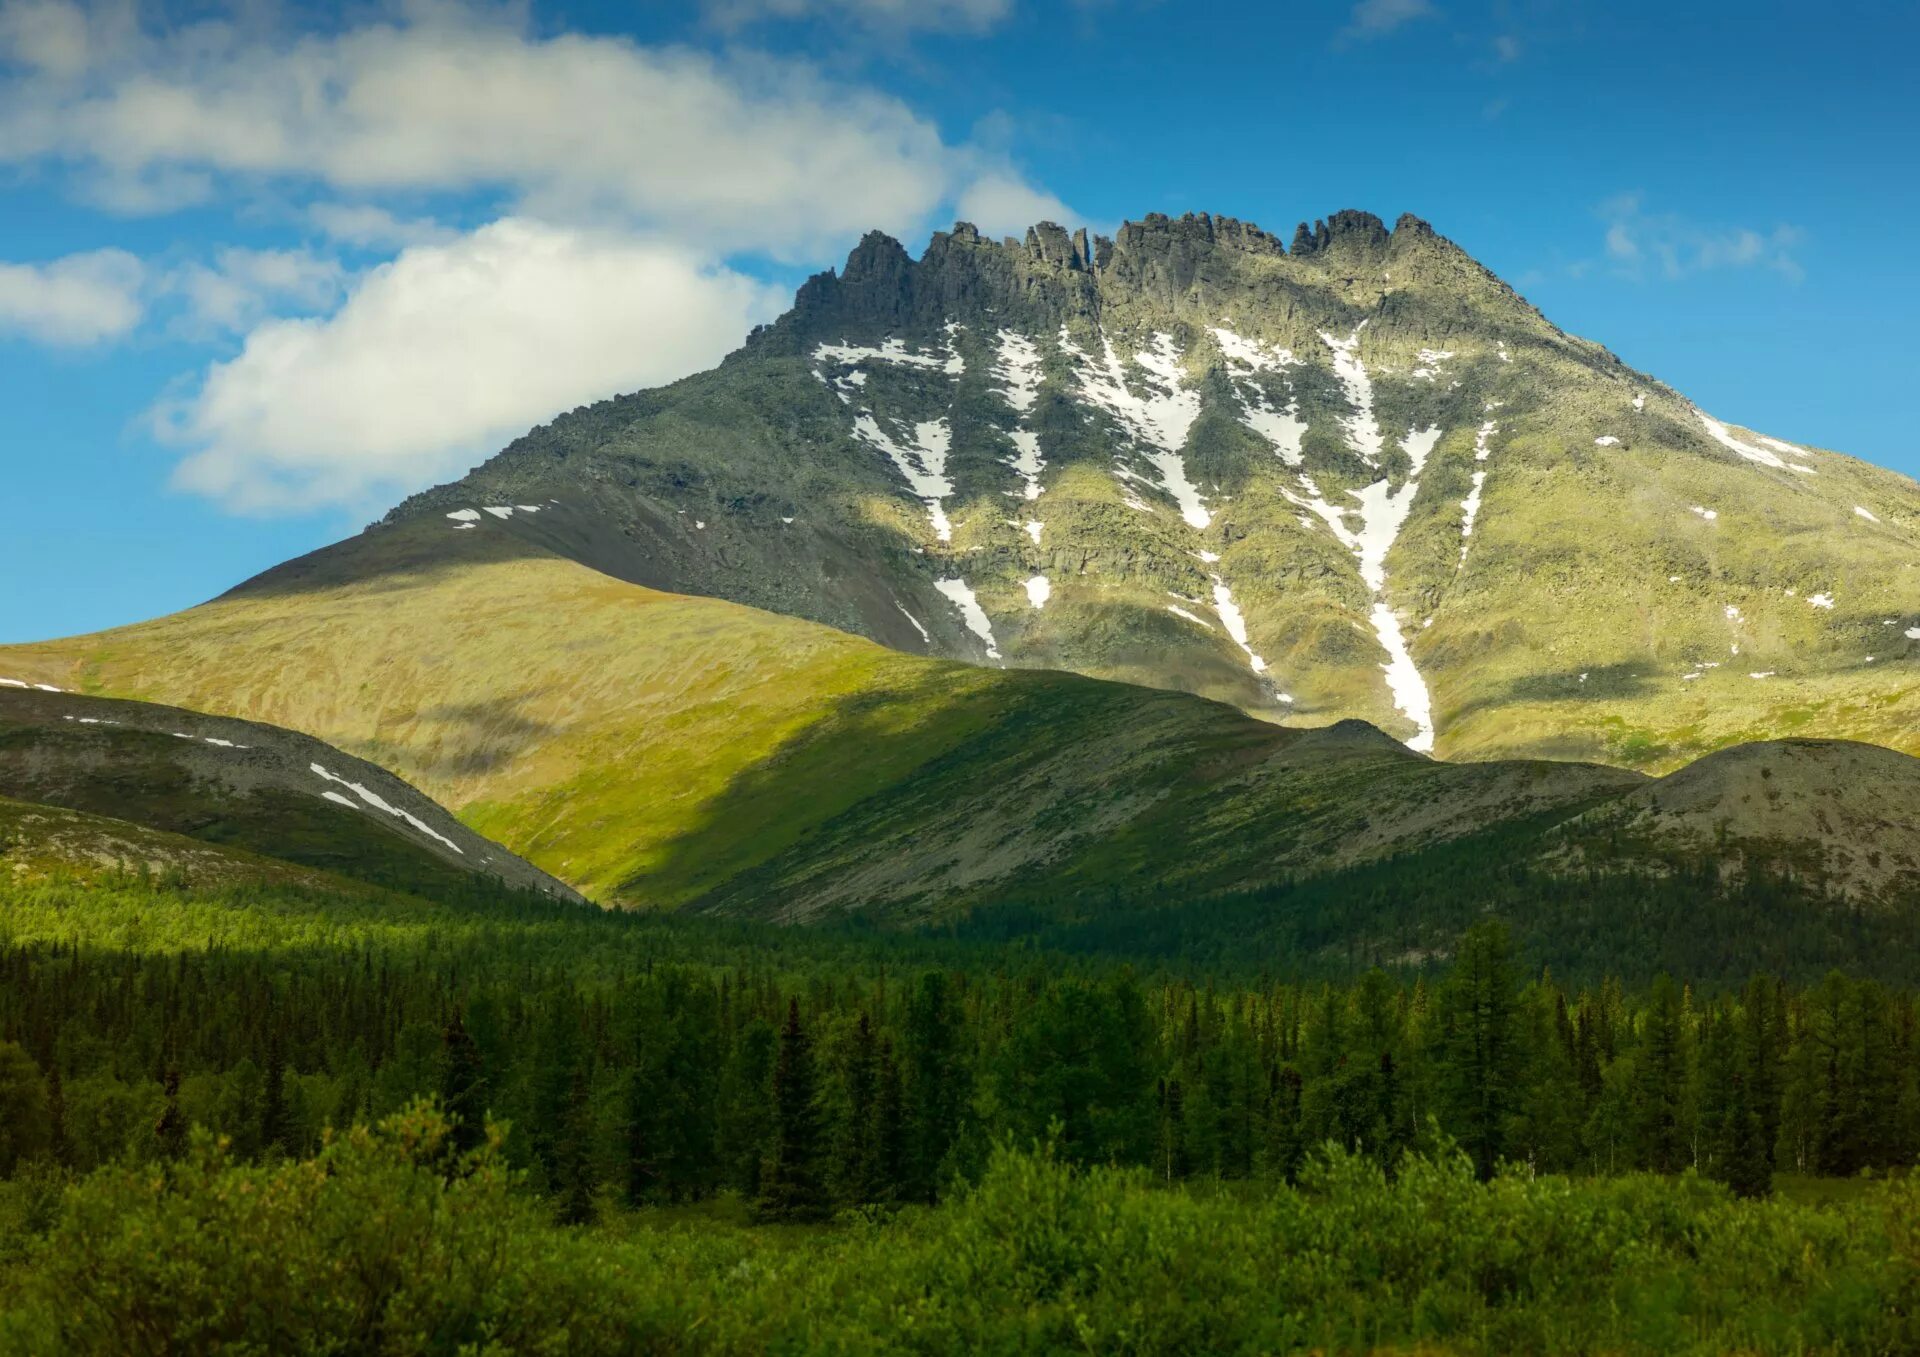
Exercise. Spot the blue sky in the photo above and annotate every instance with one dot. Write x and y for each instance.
(265, 269)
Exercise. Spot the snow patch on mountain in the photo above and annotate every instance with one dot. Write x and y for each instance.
(1039, 590)
(378, 802)
(1470, 506)
(916, 622)
(1862, 511)
(1018, 369)
(1158, 420)
(1383, 511)
(971, 612)
(1283, 429)
(895, 351)
(1230, 617)
(1178, 611)
(1719, 433)
(922, 463)
(1362, 429)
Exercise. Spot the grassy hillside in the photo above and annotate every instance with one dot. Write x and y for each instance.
(271, 794)
(665, 751)
(662, 750)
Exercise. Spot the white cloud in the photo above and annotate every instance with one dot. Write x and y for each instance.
(741, 152)
(47, 36)
(242, 286)
(1640, 243)
(443, 355)
(366, 226)
(77, 300)
(951, 16)
(1377, 18)
(1001, 204)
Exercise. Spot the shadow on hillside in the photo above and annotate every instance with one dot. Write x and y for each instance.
(400, 555)
(471, 738)
(928, 775)
(1602, 683)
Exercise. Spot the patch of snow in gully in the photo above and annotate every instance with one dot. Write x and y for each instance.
(922, 463)
(971, 612)
(1157, 420)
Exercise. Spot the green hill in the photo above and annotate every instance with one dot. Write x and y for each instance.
(665, 751)
(95, 783)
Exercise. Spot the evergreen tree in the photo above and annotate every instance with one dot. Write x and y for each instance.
(1480, 1061)
(1285, 1146)
(1661, 1078)
(790, 1186)
(855, 1164)
(578, 1180)
(463, 1087)
(274, 1130)
(889, 1135)
(938, 1086)
(170, 1131)
(26, 1125)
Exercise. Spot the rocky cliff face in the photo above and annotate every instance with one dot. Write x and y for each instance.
(1356, 476)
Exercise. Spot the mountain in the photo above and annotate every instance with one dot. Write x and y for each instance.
(92, 781)
(1354, 477)
(670, 751)
(1080, 575)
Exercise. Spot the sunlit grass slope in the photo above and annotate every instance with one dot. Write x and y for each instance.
(663, 750)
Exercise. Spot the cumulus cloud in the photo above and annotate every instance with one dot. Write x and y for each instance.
(242, 286)
(368, 227)
(47, 36)
(736, 152)
(1639, 243)
(1377, 18)
(444, 354)
(1001, 204)
(76, 300)
(952, 16)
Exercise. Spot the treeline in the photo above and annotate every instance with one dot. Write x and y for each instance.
(808, 1090)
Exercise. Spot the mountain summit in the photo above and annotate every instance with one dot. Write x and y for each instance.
(1354, 476)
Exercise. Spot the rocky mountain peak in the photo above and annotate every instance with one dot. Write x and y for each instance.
(1197, 262)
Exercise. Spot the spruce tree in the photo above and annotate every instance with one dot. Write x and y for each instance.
(273, 1103)
(170, 1131)
(1660, 1082)
(1480, 1057)
(463, 1087)
(578, 1181)
(790, 1187)
(937, 1084)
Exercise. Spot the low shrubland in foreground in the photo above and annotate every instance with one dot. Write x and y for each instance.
(389, 1240)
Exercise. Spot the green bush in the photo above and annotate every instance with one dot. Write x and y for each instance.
(387, 1242)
